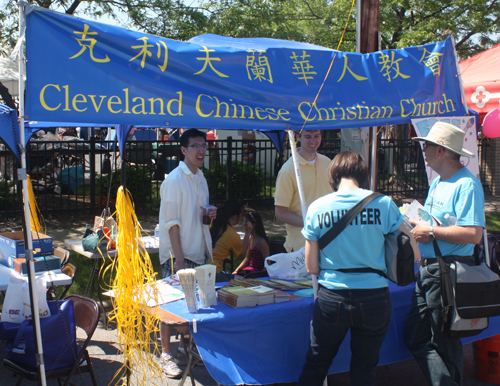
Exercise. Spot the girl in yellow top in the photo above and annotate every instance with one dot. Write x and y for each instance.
(225, 239)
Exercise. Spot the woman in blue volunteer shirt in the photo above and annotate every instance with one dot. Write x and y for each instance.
(356, 301)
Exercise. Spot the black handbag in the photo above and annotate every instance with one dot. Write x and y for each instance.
(469, 295)
(399, 255)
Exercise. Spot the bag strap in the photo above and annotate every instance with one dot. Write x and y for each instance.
(346, 219)
(19, 335)
(446, 288)
(363, 270)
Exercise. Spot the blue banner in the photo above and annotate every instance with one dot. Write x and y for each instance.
(84, 71)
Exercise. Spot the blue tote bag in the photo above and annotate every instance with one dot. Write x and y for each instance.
(58, 338)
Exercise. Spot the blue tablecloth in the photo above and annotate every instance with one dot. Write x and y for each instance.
(267, 344)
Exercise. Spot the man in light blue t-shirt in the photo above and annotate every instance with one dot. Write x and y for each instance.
(456, 199)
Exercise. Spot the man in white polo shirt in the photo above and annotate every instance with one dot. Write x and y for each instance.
(184, 240)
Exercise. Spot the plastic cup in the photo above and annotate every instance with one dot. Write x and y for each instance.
(206, 218)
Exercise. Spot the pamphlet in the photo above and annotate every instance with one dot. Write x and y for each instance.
(418, 213)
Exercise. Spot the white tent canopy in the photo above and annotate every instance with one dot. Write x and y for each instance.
(9, 75)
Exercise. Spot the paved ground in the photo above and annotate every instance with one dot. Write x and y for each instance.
(107, 359)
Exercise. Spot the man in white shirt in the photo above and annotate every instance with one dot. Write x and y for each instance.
(184, 240)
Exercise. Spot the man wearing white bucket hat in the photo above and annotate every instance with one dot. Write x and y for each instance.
(456, 199)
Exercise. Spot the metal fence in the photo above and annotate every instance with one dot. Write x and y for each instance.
(85, 175)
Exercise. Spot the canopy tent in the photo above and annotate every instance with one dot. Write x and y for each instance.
(9, 129)
(9, 75)
(99, 73)
(481, 80)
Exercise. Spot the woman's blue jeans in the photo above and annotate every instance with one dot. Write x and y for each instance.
(367, 313)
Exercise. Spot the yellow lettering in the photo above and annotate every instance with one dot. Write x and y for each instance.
(66, 98)
(429, 104)
(127, 111)
(76, 100)
(217, 114)
(319, 109)
(198, 109)
(375, 114)
(360, 109)
(114, 100)
(446, 103)
(152, 104)
(434, 107)
(272, 114)
(282, 112)
(140, 107)
(179, 105)
(351, 112)
(243, 112)
(42, 97)
(303, 115)
(92, 98)
(439, 107)
(387, 108)
(260, 110)
(403, 108)
(417, 108)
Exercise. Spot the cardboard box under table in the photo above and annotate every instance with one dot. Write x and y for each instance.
(12, 246)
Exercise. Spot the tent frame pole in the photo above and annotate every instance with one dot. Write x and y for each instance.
(296, 167)
(22, 175)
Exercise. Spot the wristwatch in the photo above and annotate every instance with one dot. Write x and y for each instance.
(431, 234)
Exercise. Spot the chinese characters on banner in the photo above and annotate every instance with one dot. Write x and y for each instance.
(83, 71)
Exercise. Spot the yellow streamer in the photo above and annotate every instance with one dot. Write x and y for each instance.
(132, 279)
(35, 214)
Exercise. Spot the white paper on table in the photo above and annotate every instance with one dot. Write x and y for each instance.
(261, 289)
(165, 293)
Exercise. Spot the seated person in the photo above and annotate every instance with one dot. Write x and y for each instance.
(259, 247)
(225, 240)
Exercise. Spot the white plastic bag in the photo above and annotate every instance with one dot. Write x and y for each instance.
(41, 290)
(13, 305)
(17, 305)
(287, 266)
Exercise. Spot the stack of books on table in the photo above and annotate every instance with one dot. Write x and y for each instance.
(287, 285)
(239, 296)
(281, 296)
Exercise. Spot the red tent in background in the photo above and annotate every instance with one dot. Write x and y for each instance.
(481, 79)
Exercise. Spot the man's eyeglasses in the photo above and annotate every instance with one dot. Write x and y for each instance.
(428, 144)
(198, 147)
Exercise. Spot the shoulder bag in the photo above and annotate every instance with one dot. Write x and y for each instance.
(469, 295)
(399, 255)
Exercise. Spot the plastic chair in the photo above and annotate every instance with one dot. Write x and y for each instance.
(86, 317)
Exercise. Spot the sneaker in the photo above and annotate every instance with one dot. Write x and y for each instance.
(170, 368)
